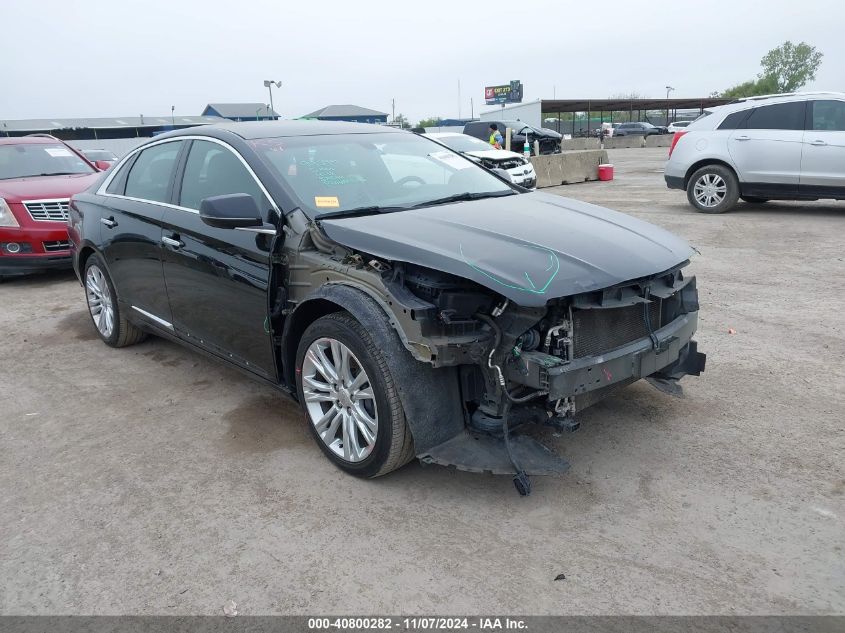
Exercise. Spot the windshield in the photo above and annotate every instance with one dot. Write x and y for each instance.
(464, 143)
(516, 126)
(40, 159)
(331, 174)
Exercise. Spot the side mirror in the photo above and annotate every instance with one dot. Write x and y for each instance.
(232, 211)
(102, 165)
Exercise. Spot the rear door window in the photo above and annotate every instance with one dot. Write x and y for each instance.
(781, 116)
(151, 175)
(828, 116)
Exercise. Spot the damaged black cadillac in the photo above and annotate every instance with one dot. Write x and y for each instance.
(413, 302)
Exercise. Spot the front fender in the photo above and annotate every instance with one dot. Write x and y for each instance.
(430, 397)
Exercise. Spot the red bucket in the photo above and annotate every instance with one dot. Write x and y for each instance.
(606, 172)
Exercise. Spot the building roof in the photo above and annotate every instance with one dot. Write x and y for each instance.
(240, 110)
(103, 123)
(344, 111)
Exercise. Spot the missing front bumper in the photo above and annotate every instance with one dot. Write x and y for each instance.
(671, 352)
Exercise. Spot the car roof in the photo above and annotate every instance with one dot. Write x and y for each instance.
(752, 102)
(28, 140)
(445, 134)
(272, 129)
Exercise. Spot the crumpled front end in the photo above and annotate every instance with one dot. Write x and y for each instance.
(542, 369)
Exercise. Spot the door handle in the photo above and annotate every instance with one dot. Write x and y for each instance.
(109, 222)
(169, 241)
(743, 138)
(818, 143)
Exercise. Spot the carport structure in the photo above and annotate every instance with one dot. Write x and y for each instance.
(609, 106)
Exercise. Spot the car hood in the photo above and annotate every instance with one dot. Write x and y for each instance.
(494, 154)
(528, 247)
(45, 187)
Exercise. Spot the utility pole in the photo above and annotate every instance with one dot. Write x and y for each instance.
(173, 115)
(471, 109)
(269, 83)
(668, 90)
(393, 109)
(459, 98)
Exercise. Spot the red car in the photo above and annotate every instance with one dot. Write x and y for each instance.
(38, 175)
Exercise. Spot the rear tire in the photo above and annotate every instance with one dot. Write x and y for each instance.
(112, 327)
(340, 415)
(753, 199)
(713, 189)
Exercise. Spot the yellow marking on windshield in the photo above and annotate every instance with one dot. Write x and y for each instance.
(326, 201)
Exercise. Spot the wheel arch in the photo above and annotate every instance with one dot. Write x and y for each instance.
(84, 254)
(704, 162)
(431, 420)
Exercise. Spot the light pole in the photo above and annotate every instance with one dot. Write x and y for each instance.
(173, 115)
(269, 83)
(668, 90)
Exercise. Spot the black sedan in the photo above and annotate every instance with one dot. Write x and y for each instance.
(413, 302)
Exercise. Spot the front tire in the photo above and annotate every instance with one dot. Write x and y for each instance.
(350, 399)
(713, 189)
(111, 325)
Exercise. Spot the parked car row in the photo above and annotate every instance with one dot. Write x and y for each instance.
(784, 147)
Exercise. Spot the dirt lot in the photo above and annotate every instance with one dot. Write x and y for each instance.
(152, 480)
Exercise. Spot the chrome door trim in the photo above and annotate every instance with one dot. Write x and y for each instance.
(257, 229)
(101, 190)
(153, 317)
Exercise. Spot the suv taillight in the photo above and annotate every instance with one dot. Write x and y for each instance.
(675, 140)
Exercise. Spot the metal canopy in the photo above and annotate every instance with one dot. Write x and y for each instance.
(548, 106)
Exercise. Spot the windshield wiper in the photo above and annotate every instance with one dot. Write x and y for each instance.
(463, 197)
(62, 173)
(360, 211)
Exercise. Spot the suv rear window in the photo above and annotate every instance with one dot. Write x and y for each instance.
(781, 116)
(734, 121)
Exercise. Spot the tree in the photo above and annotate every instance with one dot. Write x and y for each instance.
(784, 69)
(765, 85)
(791, 66)
(433, 121)
(401, 121)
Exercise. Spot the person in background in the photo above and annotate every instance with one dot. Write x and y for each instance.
(496, 139)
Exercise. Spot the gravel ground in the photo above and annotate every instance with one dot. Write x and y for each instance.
(151, 480)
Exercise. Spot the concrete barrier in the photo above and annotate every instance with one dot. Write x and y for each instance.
(618, 142)
(568, 167)
(579, 143)
(660, 140)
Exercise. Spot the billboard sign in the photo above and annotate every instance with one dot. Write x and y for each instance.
(508, 93)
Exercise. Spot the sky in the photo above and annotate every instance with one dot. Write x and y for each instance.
(87, 58)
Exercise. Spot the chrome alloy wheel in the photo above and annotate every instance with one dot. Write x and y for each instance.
(710, 190)
(339, 399)
(99, 300)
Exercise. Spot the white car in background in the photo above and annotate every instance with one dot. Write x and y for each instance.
(677, 126)
(520, 170)
(775, 147)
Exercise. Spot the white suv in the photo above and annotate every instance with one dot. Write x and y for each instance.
(782, 147)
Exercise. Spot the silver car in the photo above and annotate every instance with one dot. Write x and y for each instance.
(783, 147)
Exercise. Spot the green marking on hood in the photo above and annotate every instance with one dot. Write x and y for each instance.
(553, 269)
